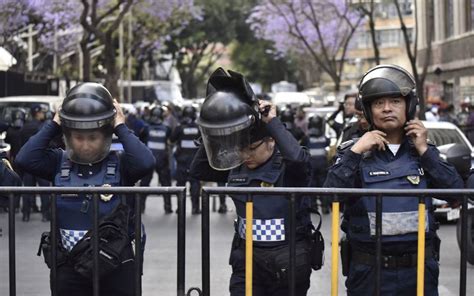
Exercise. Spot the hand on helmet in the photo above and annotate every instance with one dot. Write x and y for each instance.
(267, 109)
(56, 118)
(119, 117)
(370, 140)
(419, 135)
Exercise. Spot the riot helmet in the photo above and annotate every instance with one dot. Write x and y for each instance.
(18, 118)
(316, 126)
(188, 114)
(229, 119)
(387, 81)
(156, 115)
(87, 109)
(287, 117)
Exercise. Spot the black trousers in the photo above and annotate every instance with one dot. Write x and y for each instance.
(121, 282)
(264, 283)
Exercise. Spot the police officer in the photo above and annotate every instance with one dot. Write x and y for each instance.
(88, 118)
(317, 148)
(244, 148)
(8, 177)
(347, 107)
(13, 137)
(185, 136)
(287, 117)
(394, 154)
(30, 128)
(158, 138)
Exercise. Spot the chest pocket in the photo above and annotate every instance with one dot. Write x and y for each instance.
(399, 213)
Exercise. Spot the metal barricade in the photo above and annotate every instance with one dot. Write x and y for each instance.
(14, 192)
(337, 194)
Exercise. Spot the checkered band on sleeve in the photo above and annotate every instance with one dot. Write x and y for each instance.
(271, 230)
(69, 238)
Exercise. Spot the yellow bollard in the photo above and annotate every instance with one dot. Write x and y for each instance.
(335, 249)
(420, 273)
(248, 247)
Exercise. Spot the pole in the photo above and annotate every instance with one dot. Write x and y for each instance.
(420, 273)
(121, 58)
(334, 247)
(129, 57)
(30, 48)
(248, 245)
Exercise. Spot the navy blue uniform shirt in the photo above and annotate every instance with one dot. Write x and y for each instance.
(36, 158)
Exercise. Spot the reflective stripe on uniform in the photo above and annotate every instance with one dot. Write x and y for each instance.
(317, 152)
(156, 145)
(188, 144)
(269, 230)
(157, 133)
(397, 223)
(190, 131)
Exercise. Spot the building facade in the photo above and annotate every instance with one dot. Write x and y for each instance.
(450, 75)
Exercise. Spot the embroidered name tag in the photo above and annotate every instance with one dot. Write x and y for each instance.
(238, 180)
(379, 173)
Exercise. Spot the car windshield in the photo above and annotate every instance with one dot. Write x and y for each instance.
(442, 137)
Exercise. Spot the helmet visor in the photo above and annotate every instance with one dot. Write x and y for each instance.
(224, 150)
(87, 146)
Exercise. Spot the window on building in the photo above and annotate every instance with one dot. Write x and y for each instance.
(470, 15)
(449, 18)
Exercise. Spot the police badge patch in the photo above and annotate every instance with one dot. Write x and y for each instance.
(415, 180)
(266, 184)
(106, 197)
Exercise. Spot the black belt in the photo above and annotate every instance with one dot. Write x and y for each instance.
(390, 261)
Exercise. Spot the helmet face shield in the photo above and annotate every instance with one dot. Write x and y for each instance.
(223, 149)
(87, 146)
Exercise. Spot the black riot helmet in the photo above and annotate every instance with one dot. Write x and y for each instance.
(156, 115)
(387, 81)
(229, 119)
(287, 116)
(316, 126)
(88, 107)
(18, 118)
(188, 113)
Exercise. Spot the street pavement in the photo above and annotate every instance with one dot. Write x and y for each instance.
(160, 274)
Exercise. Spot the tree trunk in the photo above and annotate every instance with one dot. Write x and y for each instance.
(113, 75)
(86, 59)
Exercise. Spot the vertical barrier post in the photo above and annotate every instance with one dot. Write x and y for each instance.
(292, 238)
(420, 278)
(138, 245)
(95, 244)
(206, 280)
(11, 243)
(54, 246)
(378, 244)
(248, 245)
(181, 241)
(463, 269)
(334, 246)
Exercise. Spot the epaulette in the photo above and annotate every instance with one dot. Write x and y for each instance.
(345, 145)
(7, 164)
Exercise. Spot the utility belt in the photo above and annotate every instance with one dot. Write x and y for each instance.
(114, 246)
(308, 238)
(407, 260)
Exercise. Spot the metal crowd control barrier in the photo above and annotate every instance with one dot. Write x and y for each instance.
(337, 195)
(94, 192)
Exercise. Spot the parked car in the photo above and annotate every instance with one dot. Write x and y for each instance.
(8, 104)
(445, 135)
